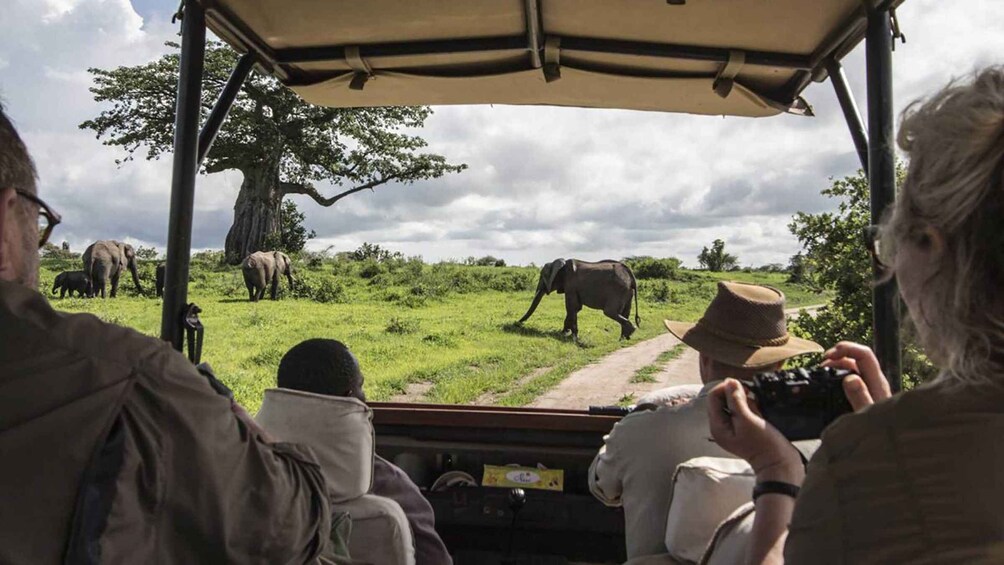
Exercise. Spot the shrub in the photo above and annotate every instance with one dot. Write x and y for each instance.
(370, 269)
(329, 290)
(661, 292)
(652, 268)
(401, 326)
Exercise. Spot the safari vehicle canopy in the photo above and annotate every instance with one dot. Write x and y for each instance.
(714, 57)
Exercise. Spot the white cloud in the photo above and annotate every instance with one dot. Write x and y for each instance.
(542, 182)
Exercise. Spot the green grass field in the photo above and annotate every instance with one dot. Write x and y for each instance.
(449, 326)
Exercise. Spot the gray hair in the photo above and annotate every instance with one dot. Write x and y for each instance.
(955, 184)
(16, 167)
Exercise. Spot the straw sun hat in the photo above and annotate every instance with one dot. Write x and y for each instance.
(744, 326)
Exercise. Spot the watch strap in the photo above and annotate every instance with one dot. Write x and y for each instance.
(775, 487)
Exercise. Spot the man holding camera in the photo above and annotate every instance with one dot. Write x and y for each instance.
(115, 449)
(743, 332)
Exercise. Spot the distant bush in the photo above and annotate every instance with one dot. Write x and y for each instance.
(373, 251)
(51, 251)
(401, 326)
(147, 253)
(486, 261)
(370, 269)
(651, 268)
(329, 290)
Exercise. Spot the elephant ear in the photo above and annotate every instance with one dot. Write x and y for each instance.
(553, 268)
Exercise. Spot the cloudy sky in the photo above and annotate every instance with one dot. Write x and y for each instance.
(542, 182)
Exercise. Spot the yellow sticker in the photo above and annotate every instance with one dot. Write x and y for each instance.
(523, 477)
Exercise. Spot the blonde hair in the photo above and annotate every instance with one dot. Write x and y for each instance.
(955, 184)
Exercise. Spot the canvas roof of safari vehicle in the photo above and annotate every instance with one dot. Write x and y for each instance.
(719, 57)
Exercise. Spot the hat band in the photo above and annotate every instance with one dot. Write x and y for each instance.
(743, 340)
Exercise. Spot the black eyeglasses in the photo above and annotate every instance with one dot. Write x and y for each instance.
(47, 217)
(880, 245)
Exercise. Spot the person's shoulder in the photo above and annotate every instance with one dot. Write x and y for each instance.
(82, 335)
(926, 406)
(645, 421)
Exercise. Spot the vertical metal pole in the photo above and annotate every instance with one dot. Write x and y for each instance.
(882, 181)
(223, 104)
(850, 108)
(186, 145)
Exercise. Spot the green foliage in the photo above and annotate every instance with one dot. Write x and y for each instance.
(798, 270)
(51, 251)
(486, 261)
(716, 259)
(401, 326)
(645, 267)
(292, 235)
(147, 253)
(835, 254)
(374, 252)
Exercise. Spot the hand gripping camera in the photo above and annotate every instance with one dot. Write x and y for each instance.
(800, 403)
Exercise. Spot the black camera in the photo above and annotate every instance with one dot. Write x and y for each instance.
(800, 403)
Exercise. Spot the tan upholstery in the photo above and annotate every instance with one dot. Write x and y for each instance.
(340, 432)
(380, 531)
(706, 491)
(731, 541)
(734, 58)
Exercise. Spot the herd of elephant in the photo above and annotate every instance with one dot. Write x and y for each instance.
(105, 261)
(607, 286)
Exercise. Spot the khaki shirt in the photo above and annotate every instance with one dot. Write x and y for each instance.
(189, 483)
(918, 478)
(635, 467)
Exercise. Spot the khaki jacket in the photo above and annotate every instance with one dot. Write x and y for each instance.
(116, 450)
(915, 479)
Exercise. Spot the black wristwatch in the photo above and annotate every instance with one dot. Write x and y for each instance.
(775, 487)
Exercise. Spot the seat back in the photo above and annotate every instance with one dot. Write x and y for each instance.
(706, 491)
(339, 431)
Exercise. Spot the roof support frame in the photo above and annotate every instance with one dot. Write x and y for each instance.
(663, 50)
(851, 115)
(223, 104)
(882, 185)
(188, 105)
(534, 32)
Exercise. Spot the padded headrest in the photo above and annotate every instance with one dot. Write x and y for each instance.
(706, 491)
(338, 429)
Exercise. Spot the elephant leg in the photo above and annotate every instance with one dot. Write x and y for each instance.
(275, 287)
(616, 314)
(626, 315)
(115, 285)
(62, 292)
(572, 308)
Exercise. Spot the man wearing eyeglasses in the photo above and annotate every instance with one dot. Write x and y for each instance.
(114, 448)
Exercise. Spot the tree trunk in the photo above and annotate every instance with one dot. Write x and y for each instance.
(256, 213)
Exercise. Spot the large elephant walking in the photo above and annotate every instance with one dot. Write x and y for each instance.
(105, 260)
(603, 285)
(262, 269)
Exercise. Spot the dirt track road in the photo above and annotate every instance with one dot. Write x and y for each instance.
(608, 380)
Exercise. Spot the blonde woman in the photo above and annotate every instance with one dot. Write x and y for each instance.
(919, 477)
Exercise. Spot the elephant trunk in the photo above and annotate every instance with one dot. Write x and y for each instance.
(55, 285)
(135, 276)
(533, 306)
